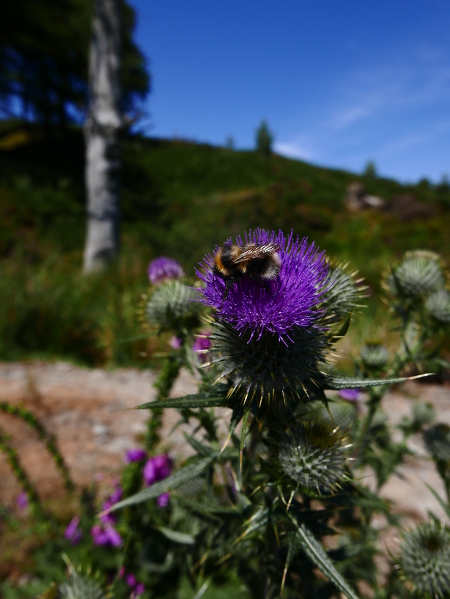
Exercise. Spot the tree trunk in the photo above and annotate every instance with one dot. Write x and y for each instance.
(102, 133)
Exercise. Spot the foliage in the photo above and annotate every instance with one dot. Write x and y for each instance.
(278, 508)
(171, 191)
(44, 61)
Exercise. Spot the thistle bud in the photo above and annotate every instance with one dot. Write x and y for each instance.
(438, 306)
(343, 293)
(374, 356)
(341, 414)
(171, 306)
(314, 456)
(424, 560)
(423, 413)
(437, 441)
(419, 274)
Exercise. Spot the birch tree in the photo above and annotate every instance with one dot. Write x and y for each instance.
(102, 134)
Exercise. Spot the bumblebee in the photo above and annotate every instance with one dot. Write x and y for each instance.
(233, 262)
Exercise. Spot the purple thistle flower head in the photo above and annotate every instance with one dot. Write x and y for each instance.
(135, 455)
(163, 269)
(276, 306)
(157, 468)
(269, 335)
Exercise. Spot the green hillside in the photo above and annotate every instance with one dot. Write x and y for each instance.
(180, 199)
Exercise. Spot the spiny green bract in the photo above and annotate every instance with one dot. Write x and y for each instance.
(437, 441)
(423, 413)
(419, 274)
(339, 413)
(424, 560)
(314, 455)
(81, 587)
(438, 306)
(374, 356)
(171, 306)
(265, 369)
(344, 292)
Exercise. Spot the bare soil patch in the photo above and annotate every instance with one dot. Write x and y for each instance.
(90, 413)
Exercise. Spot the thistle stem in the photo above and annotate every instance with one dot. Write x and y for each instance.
(44, 435)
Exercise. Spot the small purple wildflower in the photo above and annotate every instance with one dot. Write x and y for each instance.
(135, 455)
(140, 588)
(106, 535)
(72, 532)
(108, 518)
(157, 468)
(276, 306)
(175, 342)
(349, 394)
(116, 495)
(131, 580)
(22, 500)
(201, 345)
(163, 500)
(162, 269)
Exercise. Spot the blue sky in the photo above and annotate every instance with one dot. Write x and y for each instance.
(339, 81)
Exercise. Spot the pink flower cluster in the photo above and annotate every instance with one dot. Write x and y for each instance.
(105, 533)
(158, 468)
(73, 533)
(137, 587)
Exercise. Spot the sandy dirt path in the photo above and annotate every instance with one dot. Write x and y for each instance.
(88, 411)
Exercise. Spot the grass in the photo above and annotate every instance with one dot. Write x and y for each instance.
(179, 199)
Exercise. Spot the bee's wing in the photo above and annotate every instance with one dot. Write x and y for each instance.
(255, 252)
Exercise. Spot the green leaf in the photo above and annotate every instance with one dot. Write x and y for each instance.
(344, 382)
(292, 550)
(344, 328)
(257, 521)
(188, 401)
(243, 433)
(445, 506)
(207, 508)
(200, 448)
(172, 482)
(317, 554)
(175, 536)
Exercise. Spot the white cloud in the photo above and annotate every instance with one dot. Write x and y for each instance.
(415, 80)
(294, 149)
